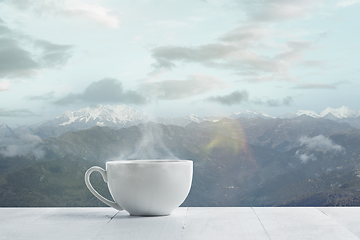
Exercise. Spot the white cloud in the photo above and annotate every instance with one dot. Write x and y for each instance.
(17, 113)
(305, 158)
(177, 89)
(314, 86)
(44, 97)
(4, 86)
(279, 10)
(22, 55)
(247, 35)
(21, 145)
(242, 50)
(270, 10)
(347, 3)
(287, 101)
(95, 12)
(239, 97)
(254, 46)
(320, 143)
(233, 98)
(107, 90)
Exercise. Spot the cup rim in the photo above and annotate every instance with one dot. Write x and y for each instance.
(149, 161)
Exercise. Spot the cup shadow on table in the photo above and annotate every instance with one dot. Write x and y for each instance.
(128, 216)
(101, 215)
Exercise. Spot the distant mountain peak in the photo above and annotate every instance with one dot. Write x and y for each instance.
(332, 113)
(288, 115)
(103, 115)
(308, 113)
(249, 114)
(342, 112)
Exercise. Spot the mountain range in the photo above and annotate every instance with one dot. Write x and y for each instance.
(119, 116)
(237, 162)
(256, 160)
(330, 113)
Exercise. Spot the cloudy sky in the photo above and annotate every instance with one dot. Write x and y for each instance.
(177, 57)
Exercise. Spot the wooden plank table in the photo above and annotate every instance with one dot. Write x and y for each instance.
(183, 223)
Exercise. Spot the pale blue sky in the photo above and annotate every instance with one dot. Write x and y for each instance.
(173, 58)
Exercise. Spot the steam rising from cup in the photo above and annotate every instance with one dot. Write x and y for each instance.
(150, 145)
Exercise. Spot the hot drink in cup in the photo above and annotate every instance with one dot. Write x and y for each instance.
(145, 187)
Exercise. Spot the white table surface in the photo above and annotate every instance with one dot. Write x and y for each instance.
(184, 223)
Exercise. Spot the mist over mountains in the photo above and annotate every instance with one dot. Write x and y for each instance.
(246, 159)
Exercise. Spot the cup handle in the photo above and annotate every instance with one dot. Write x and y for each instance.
(94, 192)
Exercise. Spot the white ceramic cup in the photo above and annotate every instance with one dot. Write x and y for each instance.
(145, 187)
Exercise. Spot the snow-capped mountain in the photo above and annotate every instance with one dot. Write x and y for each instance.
(249, 114)
(116, 116)
(119, 116)
(181, 121)
(102, 115)
(308, 113)
(340, 113)
(343, 112)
